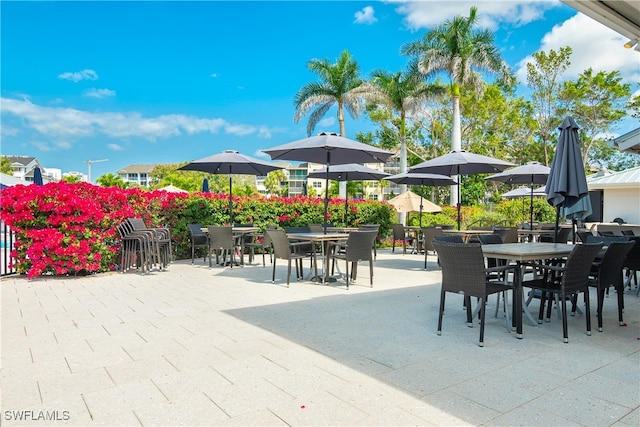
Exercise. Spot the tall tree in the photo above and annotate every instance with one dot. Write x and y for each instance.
(5, 165)
(462, 51)
(340, 84)
(597, 101)
(111, 180)
(543, 77)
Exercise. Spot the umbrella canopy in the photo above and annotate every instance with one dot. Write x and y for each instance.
(205, 185)
(172, 189)
(348, 172)
(567, 182)
(421, 179)
(411, 202)
(523, 192)
(37, 176)
(330, 149)
(529, 173)
(461, 163)
(230, 162)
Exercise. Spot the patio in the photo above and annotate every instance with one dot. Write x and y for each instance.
(212, 346)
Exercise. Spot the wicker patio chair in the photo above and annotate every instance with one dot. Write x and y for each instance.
(428, 233)
(400, 233)
(198, 239)
(508, 235)
(632, 264)
(283, 248)
(607, 272)
(357, 248)
(565, 281)
(223, 243)
(376, 228)
(263, 242)
(464, 272)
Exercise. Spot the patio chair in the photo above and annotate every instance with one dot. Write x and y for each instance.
(607, 272)
(160, 238)
(428, 233)
(135, 249)
(563, 236)
(508, 235)
(632, 264)
(464, 272)
(400, 233)
(628, 233)
(198, 239)
(606, 233)
(283, 248)
(263, 242)
(376, 228)
(567, 281)
(357, 248)
(223, 243)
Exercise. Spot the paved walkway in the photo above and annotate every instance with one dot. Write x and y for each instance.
(216, 346)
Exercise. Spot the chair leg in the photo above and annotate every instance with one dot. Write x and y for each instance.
(347, 274)
(289, 271)
(563, 302)
(371, 273)
(441, 312)
(619, 291)
(482, 312)
(467, 303)
(587, 308)
(599, 308)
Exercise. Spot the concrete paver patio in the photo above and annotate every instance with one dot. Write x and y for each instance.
(216, 346)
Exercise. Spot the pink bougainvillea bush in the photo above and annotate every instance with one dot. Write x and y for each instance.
(70, 229)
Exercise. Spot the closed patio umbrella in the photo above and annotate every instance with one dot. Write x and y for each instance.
(461, 163)
(37, 176)
(349, 172)
(421, 179)
(330, 149)
(230, 162)
(529, 173)
(205, 185)
(567, 182)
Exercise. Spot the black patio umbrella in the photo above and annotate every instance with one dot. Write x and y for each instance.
(567, 182)
(421, 179)
(37, 176)
(529, 173)
(349, 172)
(461, 163)
(230, 162)
(330, 149)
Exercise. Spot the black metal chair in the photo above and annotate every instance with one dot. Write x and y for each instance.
(508, 235)
(357, 248)
(632, 264)
(198, 239)
(607, 272)
(563, 236)
(400, 233)
(567, 280)
(464, 272)
(283, 248)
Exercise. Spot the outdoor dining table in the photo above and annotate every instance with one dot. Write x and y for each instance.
(523, 253)
(322, 238)
(467, 234)
(533, 234)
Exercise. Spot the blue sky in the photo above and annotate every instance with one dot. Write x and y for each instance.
(164, 82)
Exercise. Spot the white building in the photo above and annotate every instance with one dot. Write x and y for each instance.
(620, 195)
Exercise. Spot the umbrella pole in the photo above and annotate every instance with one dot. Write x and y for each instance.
(459, 219)
(326, 192)
(557, 223)
(346, 202)
(230, 199)
(531, 206)
(421, 189)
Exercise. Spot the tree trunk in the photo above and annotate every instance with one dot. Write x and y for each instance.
(403, 160)
(341, 120)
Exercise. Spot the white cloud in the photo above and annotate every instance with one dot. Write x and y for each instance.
(79, 75)
(429, 13)
(115, 147)
(214, 75)
(99, 93)
(365, 16)
(594, 46)
(326, 123)
(71, 123)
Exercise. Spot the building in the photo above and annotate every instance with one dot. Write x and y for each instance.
(617, 194)
(23, 167)
(137, 174)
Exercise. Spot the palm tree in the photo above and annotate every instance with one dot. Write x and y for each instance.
(339, 84)
(462, 51)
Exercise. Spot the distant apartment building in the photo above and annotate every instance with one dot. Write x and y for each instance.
(137, 174)
(23, 167)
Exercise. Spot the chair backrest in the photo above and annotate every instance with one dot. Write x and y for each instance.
(316, 228)
(280, 242)
(137, 223)
(428, 233)
(575, 275)
(509, 235)
(583, 235)
(606, 240)
(198, 237)
(610, 267)
(304, 229)
(220, 237)
(398, 231)
(490, 239)
(628, 233)
(449, 238)
(445, 226)
(463, 269)
(632, 261)
(359, 244)
(606, 233)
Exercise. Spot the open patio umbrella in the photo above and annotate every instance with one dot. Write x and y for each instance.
(421, 179)
(411, 202)
(529, 173)
(37, 176)
(461, 163)
(330, 149)
(349, 172)
(567, 182)
(230, 162)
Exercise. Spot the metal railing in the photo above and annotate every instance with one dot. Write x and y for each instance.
(7, 239)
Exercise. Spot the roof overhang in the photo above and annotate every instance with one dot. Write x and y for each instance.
(629, 142)
(622, 16)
